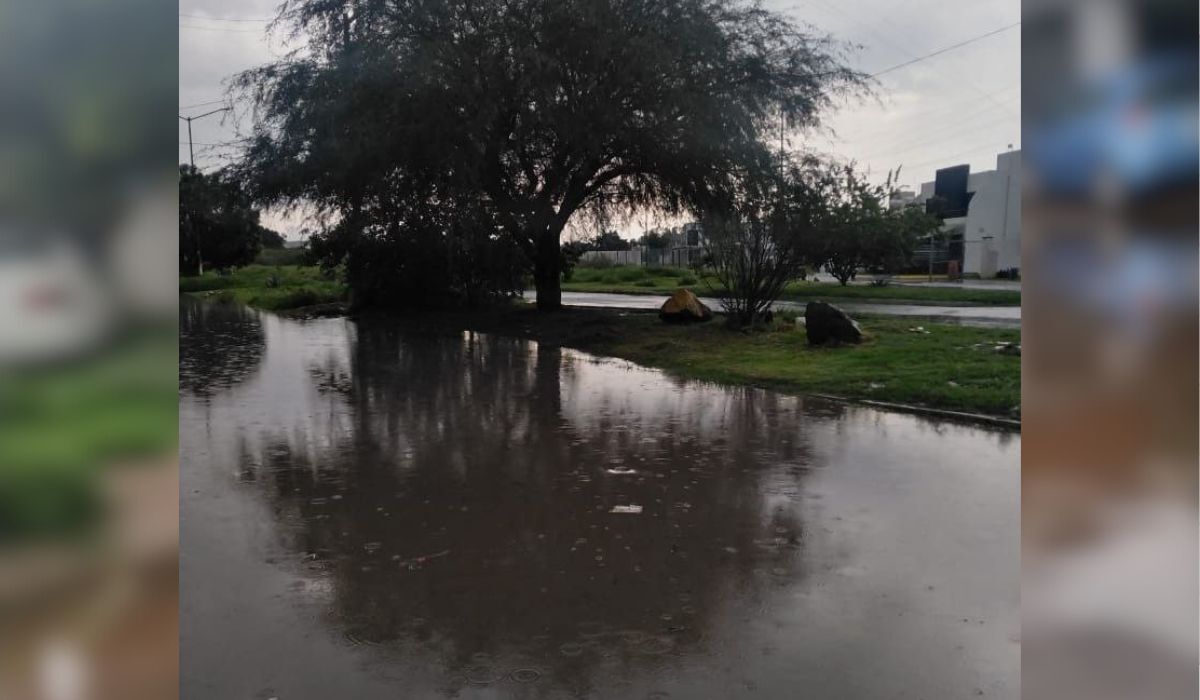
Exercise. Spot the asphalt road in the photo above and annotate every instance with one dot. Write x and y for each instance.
(988, 316)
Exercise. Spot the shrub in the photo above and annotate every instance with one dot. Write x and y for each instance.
(645, 283)
(687, 280)
(630, 273)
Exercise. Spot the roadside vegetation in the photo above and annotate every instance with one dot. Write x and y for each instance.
(274, 288)
(631, 279)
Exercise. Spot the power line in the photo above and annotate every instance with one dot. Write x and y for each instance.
(939, 52)
(222, 29)
(189, 120)
(226, 19)
(203, 104)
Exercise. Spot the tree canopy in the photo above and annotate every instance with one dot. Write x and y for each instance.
(858, 229)
(218, 227)
(536, 111)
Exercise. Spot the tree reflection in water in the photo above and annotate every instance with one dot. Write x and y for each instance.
(457, 497)
(220, 345)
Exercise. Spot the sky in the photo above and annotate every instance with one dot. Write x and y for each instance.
(962, 106)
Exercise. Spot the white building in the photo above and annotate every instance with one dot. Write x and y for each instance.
(990, 229)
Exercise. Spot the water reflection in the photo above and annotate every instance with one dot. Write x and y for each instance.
(219, 345)
(465, 501)
(479, 516)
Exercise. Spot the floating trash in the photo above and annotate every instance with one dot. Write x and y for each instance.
(621, 471)
(630, 509)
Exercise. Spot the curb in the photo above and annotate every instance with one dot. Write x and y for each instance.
(1008, 423)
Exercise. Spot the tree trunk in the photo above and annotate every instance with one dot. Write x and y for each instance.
(547, 271)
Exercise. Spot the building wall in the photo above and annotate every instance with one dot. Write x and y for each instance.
(992, 227)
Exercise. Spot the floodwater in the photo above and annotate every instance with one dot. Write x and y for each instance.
(984, 316)
(369, 513)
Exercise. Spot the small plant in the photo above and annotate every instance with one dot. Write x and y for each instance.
(272, 281)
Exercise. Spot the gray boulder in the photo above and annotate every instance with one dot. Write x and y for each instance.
(827, 324)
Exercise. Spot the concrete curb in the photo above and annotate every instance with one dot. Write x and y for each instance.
(1007, 423)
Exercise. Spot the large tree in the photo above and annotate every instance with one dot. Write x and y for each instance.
(543, 109)
(218, 227)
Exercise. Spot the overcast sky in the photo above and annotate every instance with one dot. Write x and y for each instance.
(963, 106)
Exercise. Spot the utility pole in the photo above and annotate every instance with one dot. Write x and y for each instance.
(191, 149)
(192, 160)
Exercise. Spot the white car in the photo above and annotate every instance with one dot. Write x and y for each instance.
(53, 302)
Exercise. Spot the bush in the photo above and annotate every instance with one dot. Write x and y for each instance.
(630, 273)
(687, 280)
(645, 283)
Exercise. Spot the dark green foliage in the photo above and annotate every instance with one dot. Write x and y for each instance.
(609, 240)
(270, 239)
(857, 230)
(218, 227)
(531, 111)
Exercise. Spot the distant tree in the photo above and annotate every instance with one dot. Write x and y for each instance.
(858, 231)
(656, 240)
(218, 227)
(270, 239)
(544, 110)
(609, 240)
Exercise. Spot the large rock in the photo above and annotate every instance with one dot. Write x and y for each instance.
(684, 307)
(826, 323)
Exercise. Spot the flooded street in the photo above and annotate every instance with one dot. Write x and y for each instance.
(370, 513)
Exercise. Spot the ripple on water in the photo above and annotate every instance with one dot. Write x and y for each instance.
(525, 675)
(632, 637)
(655, 646)
(570, 649)
(483, 675)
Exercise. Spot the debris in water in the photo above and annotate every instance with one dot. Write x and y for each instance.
(631, 509)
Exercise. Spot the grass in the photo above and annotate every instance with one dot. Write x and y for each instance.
(640, 280)
(64, 423)
(275, 288)
(951, 367)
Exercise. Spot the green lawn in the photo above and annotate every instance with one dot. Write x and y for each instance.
(628, 279)
(274, 288)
